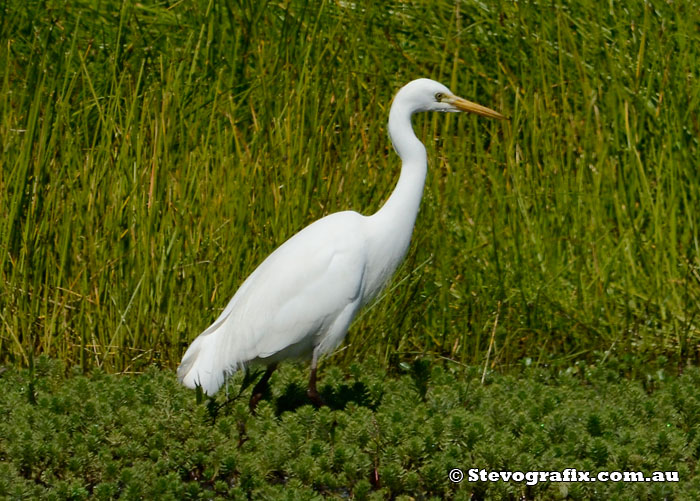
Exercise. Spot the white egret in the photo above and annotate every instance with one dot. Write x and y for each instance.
(300, 301)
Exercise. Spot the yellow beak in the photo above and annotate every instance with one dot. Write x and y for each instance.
(464, 105)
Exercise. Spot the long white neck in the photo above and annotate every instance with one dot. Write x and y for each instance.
(392, 225)
(402, 206)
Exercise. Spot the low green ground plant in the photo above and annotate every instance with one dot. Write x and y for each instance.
(383, 435)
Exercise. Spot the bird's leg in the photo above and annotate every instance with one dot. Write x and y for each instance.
(260, 387)
(312, 392)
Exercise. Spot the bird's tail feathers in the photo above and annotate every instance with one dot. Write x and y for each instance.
(206, 363)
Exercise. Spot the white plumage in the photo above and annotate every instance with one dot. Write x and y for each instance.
(301, 300)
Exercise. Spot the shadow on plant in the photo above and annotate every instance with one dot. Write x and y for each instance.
(335, 397)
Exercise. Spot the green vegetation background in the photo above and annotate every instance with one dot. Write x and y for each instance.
(154, 153)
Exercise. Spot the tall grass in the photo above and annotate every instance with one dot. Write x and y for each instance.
(154, 154)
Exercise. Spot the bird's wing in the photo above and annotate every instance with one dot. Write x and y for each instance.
(302, 287)
(287, 304)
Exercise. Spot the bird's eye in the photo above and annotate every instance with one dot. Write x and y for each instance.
(439, 96)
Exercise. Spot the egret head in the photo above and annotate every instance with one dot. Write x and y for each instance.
(428, 95)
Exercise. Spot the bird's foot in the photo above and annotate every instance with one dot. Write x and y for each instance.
(254, 399)
(315, 398)
(261, 388)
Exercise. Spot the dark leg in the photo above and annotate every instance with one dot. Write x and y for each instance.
(312, 392)
(260, 388)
